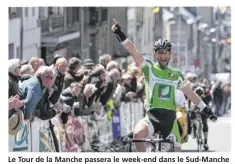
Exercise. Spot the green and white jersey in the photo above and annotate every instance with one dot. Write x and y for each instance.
(160, 85)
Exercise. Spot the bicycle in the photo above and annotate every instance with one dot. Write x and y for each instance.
(154, 143)
(199, 131)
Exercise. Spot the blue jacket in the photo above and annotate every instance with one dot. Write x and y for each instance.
(31, 91)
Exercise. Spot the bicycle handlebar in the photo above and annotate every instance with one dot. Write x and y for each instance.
(155, 140)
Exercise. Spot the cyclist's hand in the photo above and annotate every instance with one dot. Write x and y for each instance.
(114, 24)
(213, 118)
(115, 27)
(207, 110)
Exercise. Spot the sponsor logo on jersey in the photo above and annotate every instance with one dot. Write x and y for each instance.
(164, 92)
(171, 74)
(164, 81)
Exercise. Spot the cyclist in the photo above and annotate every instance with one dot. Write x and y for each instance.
(201, 93)
(161, 83)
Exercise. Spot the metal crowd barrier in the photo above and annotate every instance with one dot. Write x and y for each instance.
(81, 133)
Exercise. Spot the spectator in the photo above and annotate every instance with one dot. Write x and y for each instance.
(134, 72)
(14, 67)
(70, 75)
(83, 74)
(88, 91)
(73, 98)
(218, 98)
(31, 89)
(112, 65)
(14, 75)
(118, 93)
(24, 62)
(42, 62)
(97, 77)
(35, 63)
(26, 72)
(226, 94)
(55, 57)
(140, 88)
(127, 94)
(60, 69)
(111, 80)
(105, 59)
(88, 64)
(44, 109)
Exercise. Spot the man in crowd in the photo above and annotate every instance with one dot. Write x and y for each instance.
(13, 80)
(73, 67)
(105, 59)
(31, 90)
(60, 69)
(35, 63)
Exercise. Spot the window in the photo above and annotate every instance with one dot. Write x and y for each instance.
(18, 52)
(26, 11)
(193, 10)
(12, 12)
(75, 14)
(12, 9)
(104, 14)
(60, 10)
(42, 12)
(33, 11)
(11, 51)
(50, 11)
(69, 14)
(55, 10)
(93, 16)
(93, 47)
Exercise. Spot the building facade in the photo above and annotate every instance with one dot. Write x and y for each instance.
(60, 29)
(23, 24)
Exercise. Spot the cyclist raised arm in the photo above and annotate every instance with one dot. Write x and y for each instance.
(161, 83)
(129, 46)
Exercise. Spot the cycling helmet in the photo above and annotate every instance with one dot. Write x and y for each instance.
(162, 44)
(199, 91)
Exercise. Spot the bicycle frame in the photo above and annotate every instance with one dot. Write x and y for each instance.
(199, 133)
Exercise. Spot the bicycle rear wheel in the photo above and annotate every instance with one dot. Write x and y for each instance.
(199, 138)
